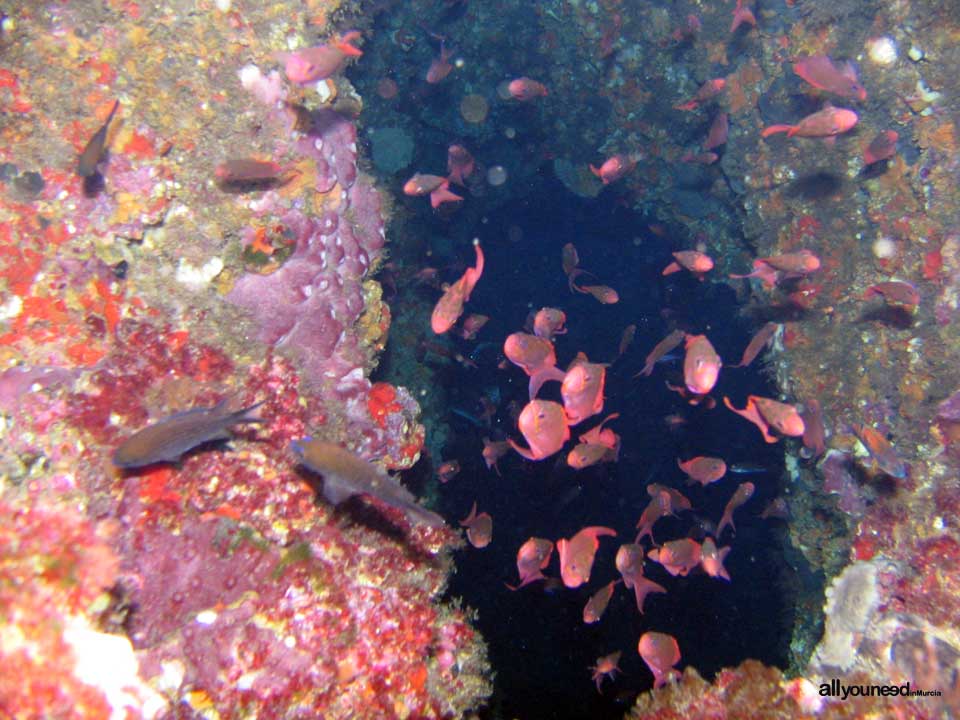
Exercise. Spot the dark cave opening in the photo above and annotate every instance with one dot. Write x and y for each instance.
(540, 648)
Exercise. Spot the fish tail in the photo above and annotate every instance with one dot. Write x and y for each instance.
(243, 415)
(773, 129)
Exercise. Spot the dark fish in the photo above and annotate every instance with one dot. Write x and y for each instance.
(345, 475)
(93, 153)
(167, 440)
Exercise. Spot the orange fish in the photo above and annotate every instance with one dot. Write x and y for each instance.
(660, 652)
(757, 343)
(614, 168)
(709, 90)
(598, 444)
(440, 67)
(479, 527)
(819, 71)
(630, 564)
(658, 507)
(577, 554)
(678, 557)
(459, 164)
(742, 15)
(450, 307)
(695, 261)
(661, 349)
(882, 147)
(524, 89)
(437, 187)
(711, 558)
(743, 493)
(543, 425)
(448, 471)
(532, 557)
(493, 450)
(829, 122)
(549, 322)
(896, 293)
(597, 604)
(703, 470)
(766, 413)
(582, 391)
(606, 667)
(701, 365)
(881, 451)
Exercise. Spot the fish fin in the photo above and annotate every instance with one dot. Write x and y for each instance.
(336, 490)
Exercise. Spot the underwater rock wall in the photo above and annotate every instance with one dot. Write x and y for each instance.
(219, 585)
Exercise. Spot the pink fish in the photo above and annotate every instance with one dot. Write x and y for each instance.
(678, 501)
(709, 90)
(320, 62)
(819, 71)
(704, 158)
(460, 164)
(661, 349)
(658, 507)
(479, 528)
(493, 450)
(882, 147)
(695, 261)
(814, 432)
(577, 554)
(829, 122)
(788, 266)
(606, 667)
(450, 306)
(660, 652)
(543, 425)
(597, 604)
(597, 445)
(549, 322)
(630, 564)
(582, 391)
(895, 292)
(766, 413)
(678, 557)
(441, 66)
(525, 89)
(703, 470)
(437, 187)
(757, 343)
(711, 558)
(719, 130)
(471, 325)
(701, 365)
(535, 356)
(532, 557)
(743, 493)
(614, 168)
(742, 15)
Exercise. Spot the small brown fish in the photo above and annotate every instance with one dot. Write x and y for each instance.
(757, 343)
(345, 475)
(249, 173)
(93, 153)
(166, 441)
